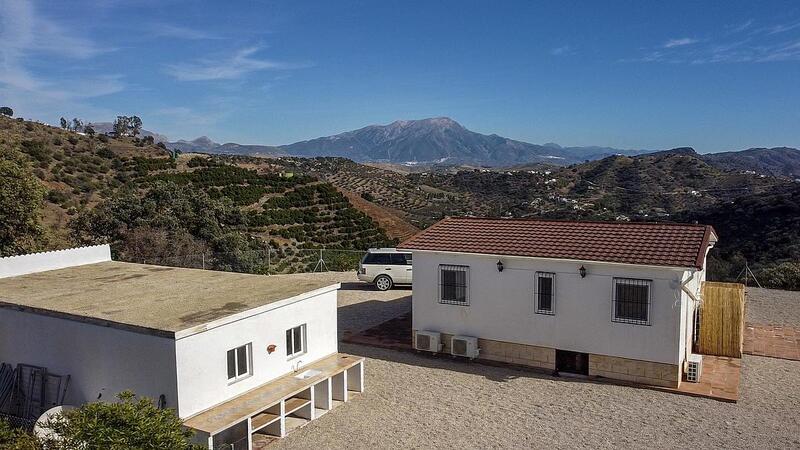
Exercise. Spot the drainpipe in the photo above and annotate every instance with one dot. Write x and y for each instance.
(691, 295)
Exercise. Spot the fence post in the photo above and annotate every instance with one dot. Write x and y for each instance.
(204, 260)
(269, 259)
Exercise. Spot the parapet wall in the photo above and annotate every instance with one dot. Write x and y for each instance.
(12, 266)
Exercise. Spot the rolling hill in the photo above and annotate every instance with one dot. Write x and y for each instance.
(778, 161)
(189, 210)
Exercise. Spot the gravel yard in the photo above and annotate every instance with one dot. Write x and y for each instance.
(421, 401)
(771, 306)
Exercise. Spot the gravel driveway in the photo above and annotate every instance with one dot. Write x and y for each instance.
(421, 401)
(774, 307)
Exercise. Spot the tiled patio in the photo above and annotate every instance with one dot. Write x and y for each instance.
(719, 380)
(774, 341)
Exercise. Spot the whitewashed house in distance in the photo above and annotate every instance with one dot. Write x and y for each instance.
(611, 299)
(237, 356)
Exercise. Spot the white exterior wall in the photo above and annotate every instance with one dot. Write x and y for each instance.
(202, 358)
(12, 266)
(502, 306)
(100, 360)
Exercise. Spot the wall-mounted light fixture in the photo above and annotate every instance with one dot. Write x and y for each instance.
(582, 271)
(499, 265)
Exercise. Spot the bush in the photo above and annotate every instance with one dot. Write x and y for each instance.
(130, 423)
(785, 275)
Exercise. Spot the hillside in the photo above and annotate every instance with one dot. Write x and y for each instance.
(778, 161)
(154, 206)
(434, 141)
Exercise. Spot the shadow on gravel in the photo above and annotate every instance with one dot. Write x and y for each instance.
(363, 286)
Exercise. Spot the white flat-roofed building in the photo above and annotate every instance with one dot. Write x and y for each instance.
(233, 354)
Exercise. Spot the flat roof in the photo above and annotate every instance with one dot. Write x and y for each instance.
(151, 299)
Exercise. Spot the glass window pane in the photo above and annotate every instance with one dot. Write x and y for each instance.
(398, 259)
(241, 360)
(298, 339)
(231, 364)
(289, 346)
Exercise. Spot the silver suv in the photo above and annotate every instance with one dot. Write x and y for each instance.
(385, 267)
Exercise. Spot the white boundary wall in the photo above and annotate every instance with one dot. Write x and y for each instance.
(12, 266)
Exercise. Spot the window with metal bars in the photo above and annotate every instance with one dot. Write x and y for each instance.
(544, 292)
(632, 301)
(454, 284)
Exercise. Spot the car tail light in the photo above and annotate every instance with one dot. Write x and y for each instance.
(362, 271)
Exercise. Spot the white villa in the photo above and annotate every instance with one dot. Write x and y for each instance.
(616, 300)
(239, 357)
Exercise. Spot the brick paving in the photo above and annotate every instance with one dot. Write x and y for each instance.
(774, 341)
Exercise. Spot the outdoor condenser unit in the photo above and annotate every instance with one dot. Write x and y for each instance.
(694, 367)
(466, 346)
(429, 341)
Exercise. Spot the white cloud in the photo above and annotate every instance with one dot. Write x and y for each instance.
(679, 42)
(230, 67)
(178, 32)
(563, 50)
(782, 28)
(26, 37)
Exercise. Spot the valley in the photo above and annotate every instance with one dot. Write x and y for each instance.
(232, 212)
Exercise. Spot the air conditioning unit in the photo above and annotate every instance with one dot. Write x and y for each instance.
(694, 367)
(466, 346)
(429, 341)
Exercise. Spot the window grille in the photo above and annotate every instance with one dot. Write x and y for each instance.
(454, 284)
(632, 301)
(545, 292)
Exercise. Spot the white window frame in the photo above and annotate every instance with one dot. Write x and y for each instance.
(303, 342)
(454, 267)
(636, 281)
(536, 306)
(248, 355)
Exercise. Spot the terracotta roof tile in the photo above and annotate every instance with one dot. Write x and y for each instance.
(656, 244)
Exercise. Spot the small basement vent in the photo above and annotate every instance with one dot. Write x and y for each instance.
(429, 341)
(694, 367)
(466, 346)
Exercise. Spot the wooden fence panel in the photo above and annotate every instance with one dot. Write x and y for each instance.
(721, 320)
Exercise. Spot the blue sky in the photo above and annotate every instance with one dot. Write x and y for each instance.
(631, 74)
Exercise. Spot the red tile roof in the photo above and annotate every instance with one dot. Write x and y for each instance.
(654, 244)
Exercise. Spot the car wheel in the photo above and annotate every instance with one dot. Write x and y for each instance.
(383, 283)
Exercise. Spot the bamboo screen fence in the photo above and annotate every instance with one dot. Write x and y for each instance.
(722, 320)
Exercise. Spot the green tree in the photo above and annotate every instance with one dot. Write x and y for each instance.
(135, 125)
(131, 423)
(64, 123)
(6, 111)
(121, 125)
(21, 195)
(89, 130)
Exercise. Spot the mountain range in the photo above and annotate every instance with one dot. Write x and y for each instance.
(439, 140)
(442, 141)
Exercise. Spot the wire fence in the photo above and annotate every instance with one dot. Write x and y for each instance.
(267, 261)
